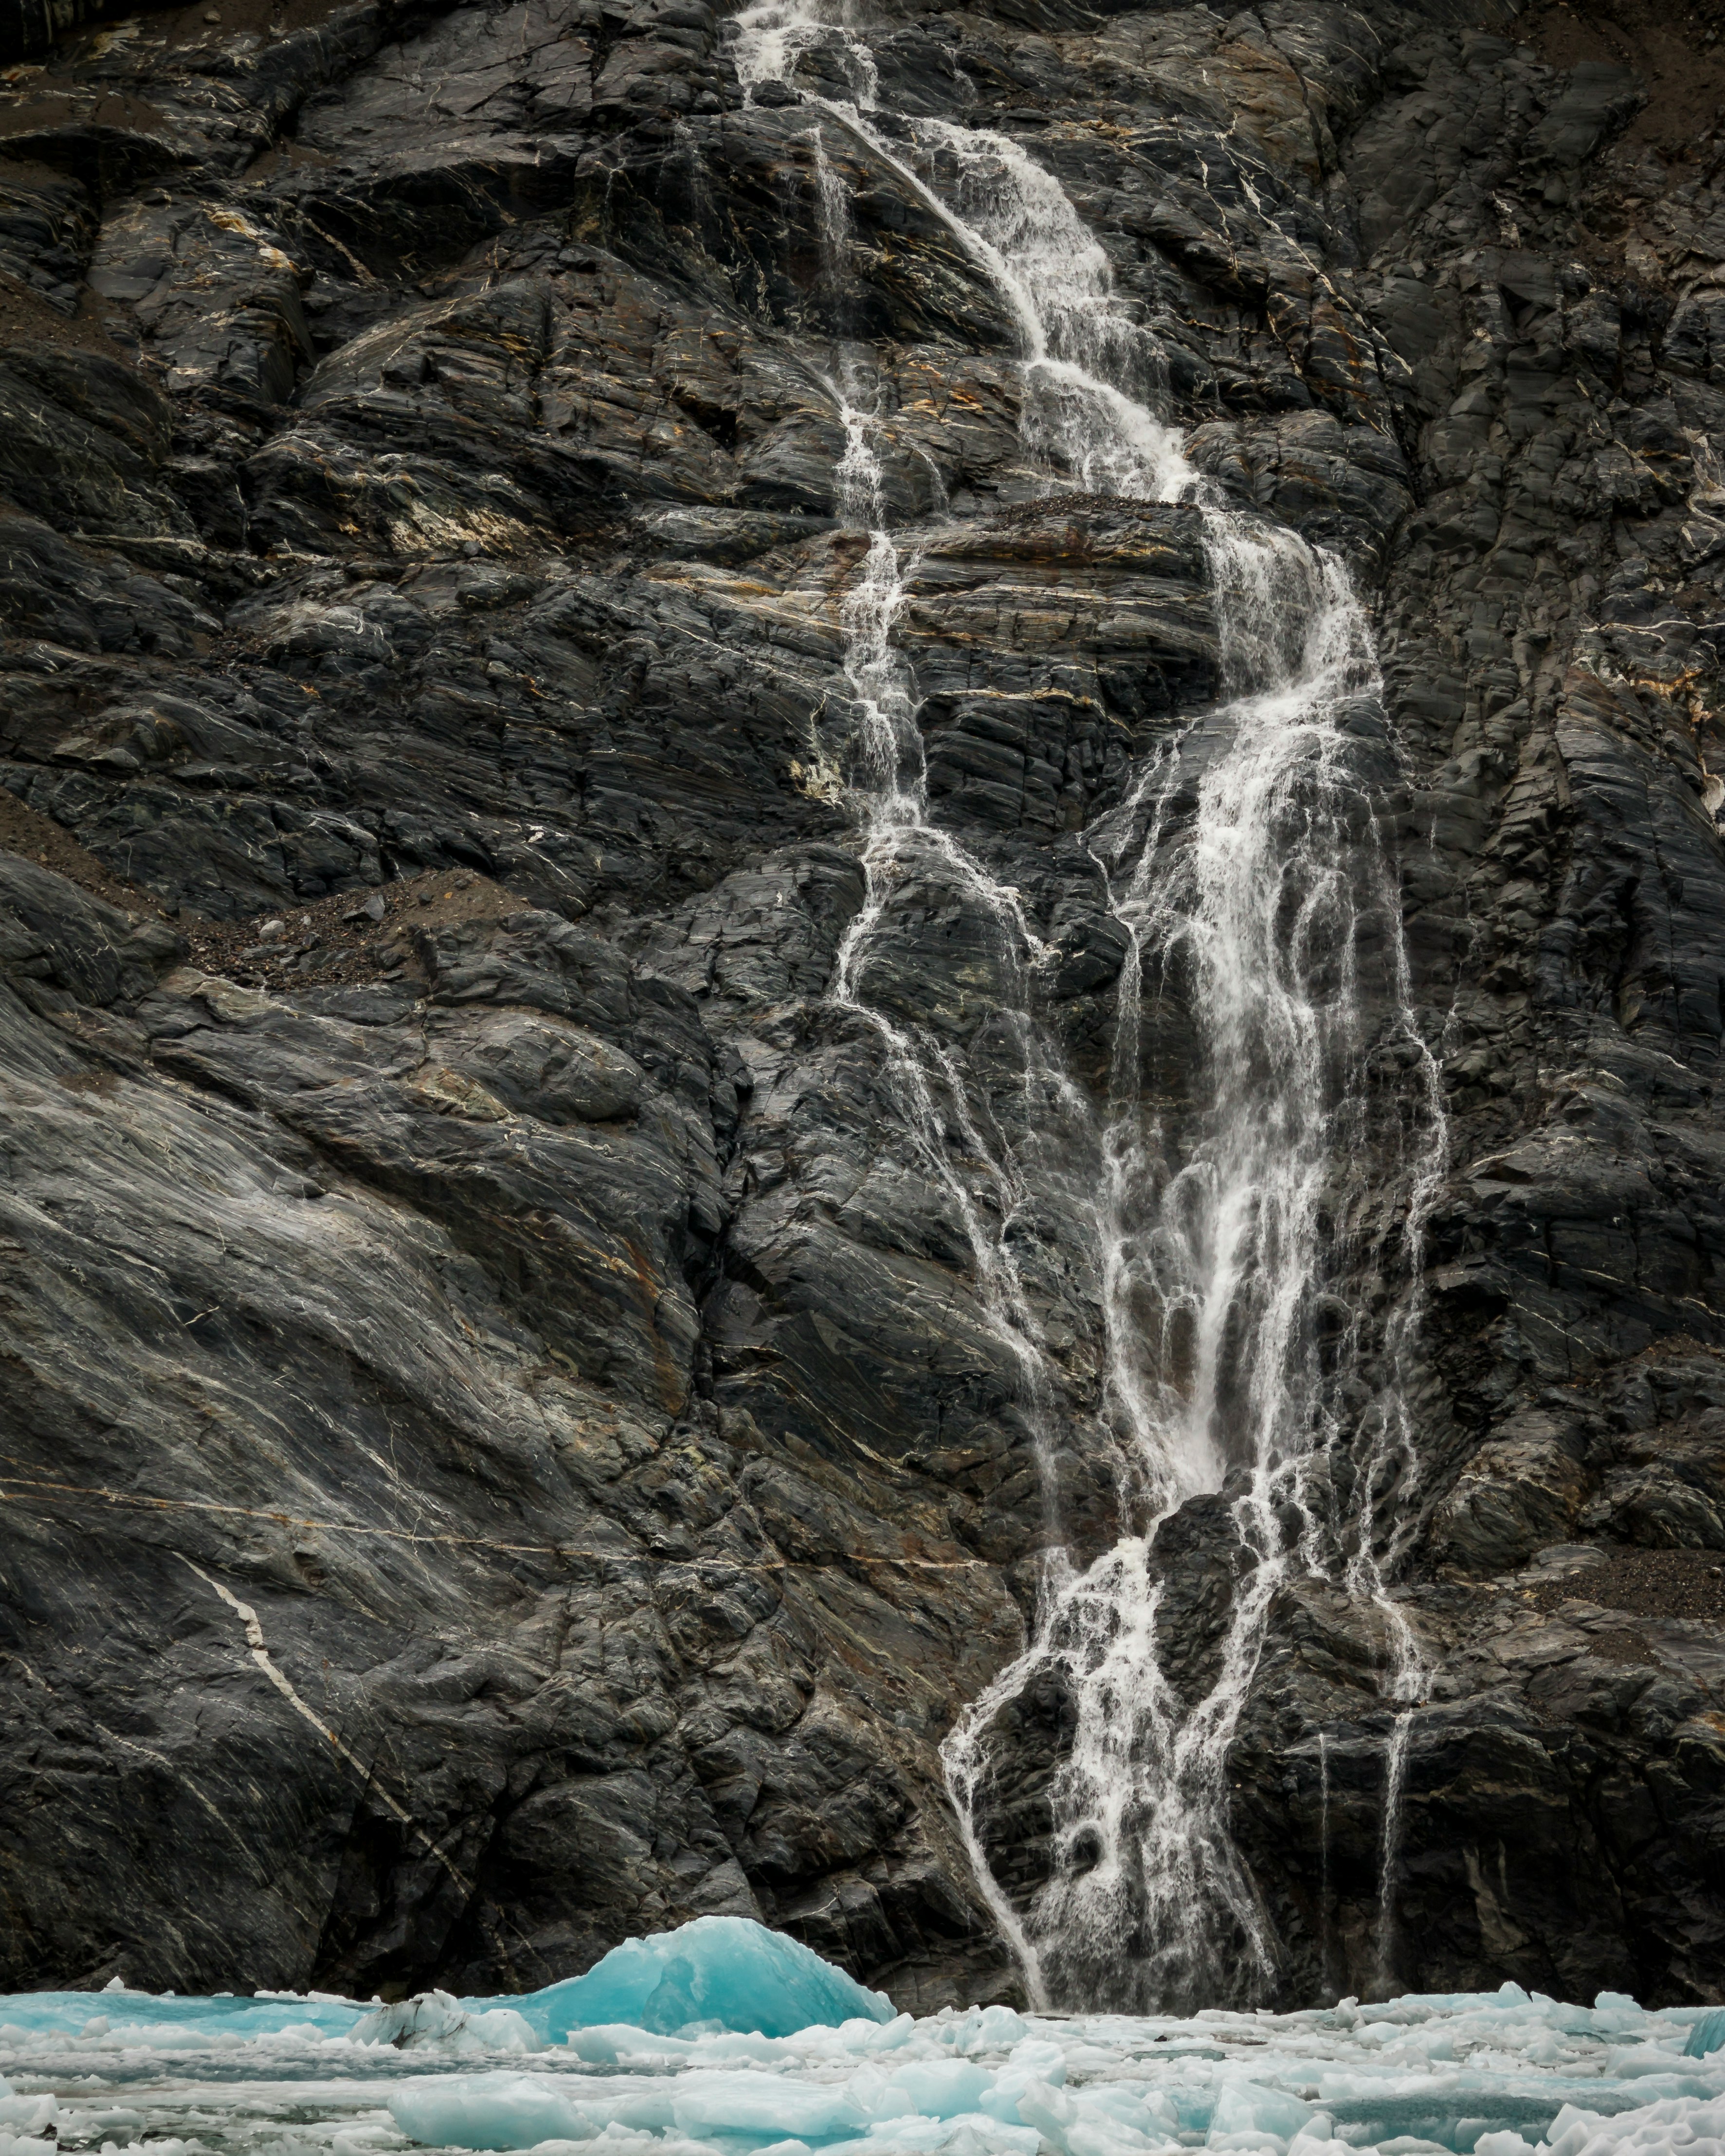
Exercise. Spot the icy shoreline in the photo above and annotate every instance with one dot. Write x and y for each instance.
(1493, 2074)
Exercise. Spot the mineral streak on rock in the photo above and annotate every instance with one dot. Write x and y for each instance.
(503, 1448)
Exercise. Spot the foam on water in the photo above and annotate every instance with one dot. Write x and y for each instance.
(1466, 2074)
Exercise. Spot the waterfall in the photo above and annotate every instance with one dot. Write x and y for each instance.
(1395, 1772)
(1243, 871)
(1323, 1861)
(1216, 1267)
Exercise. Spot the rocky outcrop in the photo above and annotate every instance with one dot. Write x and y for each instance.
(506, 1447)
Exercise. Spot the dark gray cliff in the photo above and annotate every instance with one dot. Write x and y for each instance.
(503, 1448)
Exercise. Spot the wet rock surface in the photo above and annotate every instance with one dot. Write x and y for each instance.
(506, 1448)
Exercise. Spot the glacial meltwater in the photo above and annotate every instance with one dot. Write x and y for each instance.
(723, 2039)
(1244, 861)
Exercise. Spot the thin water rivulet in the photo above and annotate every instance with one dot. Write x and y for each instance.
(1245, 876)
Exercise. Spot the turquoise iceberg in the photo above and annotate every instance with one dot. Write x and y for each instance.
(718, 1972)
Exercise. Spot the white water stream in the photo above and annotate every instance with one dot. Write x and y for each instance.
(1243, 871)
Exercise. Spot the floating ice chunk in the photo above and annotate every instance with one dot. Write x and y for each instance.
(28, 2124)
(967, 2138)
(851, 2041)
(724, 1972)
(26, 2114)
(142, 2019)
(1142, 2110)
(758, 2103)
(1036, 2056)
(944, 2088)
(910, 2136)
(489, 2111)
(1091, 2122)
(501, 2110)
(1000, 2027)
(618, 2044)
(1245, 2107)
(729, 2047)
(1317, 2138)
(1502, 2144)
(1630, 2061)
(1039, 2103)
(1707, 2035)
(967, 2135)
(434, 2017)
(884, 2036)
(1698, 2129)
(1034, 2068)
(981, 2029)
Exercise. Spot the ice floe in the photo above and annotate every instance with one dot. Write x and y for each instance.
(725, 2040)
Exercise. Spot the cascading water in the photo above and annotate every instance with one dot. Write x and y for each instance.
(1244, 872)
(1258, 898)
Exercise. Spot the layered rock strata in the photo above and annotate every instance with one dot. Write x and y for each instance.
(504, 1448)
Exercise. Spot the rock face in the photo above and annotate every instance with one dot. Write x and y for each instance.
(506, 1447)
